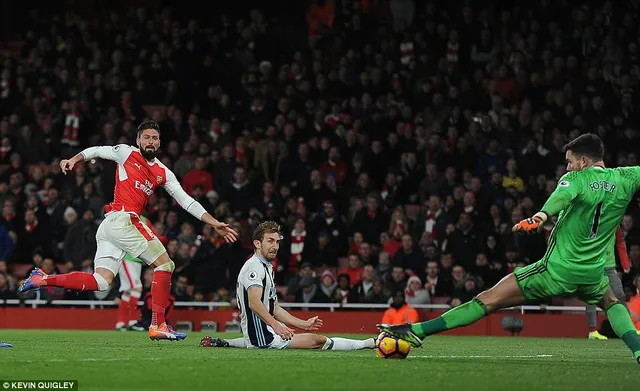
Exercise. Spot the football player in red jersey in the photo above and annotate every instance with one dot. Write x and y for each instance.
(139, 173)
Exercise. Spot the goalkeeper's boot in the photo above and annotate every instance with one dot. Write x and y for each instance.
(402, 331)
(35, 280)
(164, 331)
(213, 342)
(596, 335)
(637, 356)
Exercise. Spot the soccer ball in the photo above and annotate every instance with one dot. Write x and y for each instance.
(391, 347)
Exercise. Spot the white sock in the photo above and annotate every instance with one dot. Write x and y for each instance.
(237, 343)
(336, 343)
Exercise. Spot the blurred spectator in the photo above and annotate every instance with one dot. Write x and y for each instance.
(354, 269)
(436, 286)
(377, 294)
(295, 281)
(80, 243)
(6, 291)
(361, 290)
(415, 293)
(198, 176)
(400, 312)
(328, 285)
(6, 244)
(181, 289)
(310, 293)
(322, 253)
(342, 291)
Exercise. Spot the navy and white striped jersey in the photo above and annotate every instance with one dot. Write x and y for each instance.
(256, 273)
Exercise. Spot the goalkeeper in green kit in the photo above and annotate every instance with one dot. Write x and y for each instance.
(590, 201)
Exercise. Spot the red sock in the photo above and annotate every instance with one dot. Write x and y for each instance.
(77, 281)
(133, 308)
(123, 310)
(160, 292)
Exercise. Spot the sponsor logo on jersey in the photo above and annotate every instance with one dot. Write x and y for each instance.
(146, 187)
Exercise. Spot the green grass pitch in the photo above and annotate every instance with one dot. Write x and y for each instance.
(110, 360)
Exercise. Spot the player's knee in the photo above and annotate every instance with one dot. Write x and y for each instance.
(319, 341)
(103, 284)
(166, 267)
(488, 298)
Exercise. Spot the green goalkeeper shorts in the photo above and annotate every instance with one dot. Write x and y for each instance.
(536, 283)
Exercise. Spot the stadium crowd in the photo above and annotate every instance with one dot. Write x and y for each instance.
(397, 147)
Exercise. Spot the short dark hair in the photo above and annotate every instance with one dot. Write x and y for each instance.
(148, 125)
(589, 145)
(265, 227)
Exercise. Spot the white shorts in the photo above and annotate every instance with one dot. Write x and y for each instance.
(121, 233)
(276, 343)
(129, 273)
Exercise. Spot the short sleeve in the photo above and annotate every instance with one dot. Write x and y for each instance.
(252, 276)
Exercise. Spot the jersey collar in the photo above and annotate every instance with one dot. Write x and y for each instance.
(262, 259)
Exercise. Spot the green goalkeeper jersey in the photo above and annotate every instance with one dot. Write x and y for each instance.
(129, 257)
(590, 205)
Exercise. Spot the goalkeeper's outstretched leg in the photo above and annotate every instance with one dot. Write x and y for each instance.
(504, 294)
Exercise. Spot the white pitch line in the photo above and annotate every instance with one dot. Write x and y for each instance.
(529, 356)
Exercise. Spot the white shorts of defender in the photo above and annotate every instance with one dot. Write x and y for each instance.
(277, 343)
(129, 275)
(121, 233)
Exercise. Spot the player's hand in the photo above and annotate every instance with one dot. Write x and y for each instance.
(530, 225)
(225, 231)
(313, 324)
(283, 331)
(66, 165)
(626, 271)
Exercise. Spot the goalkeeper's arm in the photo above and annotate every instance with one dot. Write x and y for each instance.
(558, 200)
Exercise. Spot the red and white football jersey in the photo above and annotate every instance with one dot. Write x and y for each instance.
(137, 179)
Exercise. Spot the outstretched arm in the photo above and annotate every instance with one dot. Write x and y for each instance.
(282, 315)
(192, 206)
(558, 200)
(118, 154)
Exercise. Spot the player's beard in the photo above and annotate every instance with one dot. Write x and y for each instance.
(148, 153)
(268, 256)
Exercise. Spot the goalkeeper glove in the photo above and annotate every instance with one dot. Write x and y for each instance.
(530, 225)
